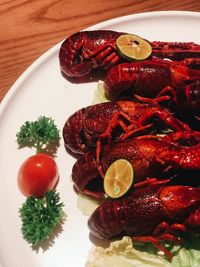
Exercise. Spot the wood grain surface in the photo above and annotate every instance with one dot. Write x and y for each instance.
(28, 28)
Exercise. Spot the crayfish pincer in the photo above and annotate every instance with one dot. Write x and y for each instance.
(150, 213)
(149, 156)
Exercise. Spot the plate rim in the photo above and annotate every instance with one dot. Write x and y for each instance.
(10, 93)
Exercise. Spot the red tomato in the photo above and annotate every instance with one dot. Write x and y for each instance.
(37, 175)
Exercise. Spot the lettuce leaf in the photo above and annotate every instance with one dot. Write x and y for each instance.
(187, 255)
(87, 204)
(122, 253)
(99, 94)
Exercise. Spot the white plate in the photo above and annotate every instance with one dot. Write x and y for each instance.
(41, 90)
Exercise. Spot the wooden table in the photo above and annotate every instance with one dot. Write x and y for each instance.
(30, 27)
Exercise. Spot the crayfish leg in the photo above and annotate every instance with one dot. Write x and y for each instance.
(168, 90)
(110, 60)
(105, 55)
(91, 54)
(167, 230)
(153, 101)
(151, 181)
(124, 136)
(164, 116)
(98, 162)
(156, 243)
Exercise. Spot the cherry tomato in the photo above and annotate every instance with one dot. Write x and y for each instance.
(37, 175)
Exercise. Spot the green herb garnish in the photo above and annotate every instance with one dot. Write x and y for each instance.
(40, 216)
(41, 134)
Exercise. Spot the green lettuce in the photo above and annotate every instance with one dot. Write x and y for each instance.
(123, 253)
(99, 94)
(87, 204)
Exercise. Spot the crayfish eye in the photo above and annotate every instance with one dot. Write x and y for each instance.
(190, 94)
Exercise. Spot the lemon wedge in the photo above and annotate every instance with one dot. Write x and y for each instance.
(133, 47)
(118, 178)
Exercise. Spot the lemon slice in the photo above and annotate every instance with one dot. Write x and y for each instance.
(118, 178)
(133, 47)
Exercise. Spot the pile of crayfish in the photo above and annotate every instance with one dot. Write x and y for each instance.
(153, 122)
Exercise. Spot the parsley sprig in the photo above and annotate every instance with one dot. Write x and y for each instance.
(42, 134)
(40, 216)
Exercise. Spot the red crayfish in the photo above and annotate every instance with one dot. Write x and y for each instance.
(150, 213)
(139, 130)
(154, 78)
(149, 156)
(116, 121)
(83, 52)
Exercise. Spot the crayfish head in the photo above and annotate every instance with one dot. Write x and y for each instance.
(188, 98)
(106, 221)
(86, 177)
(72, 136)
